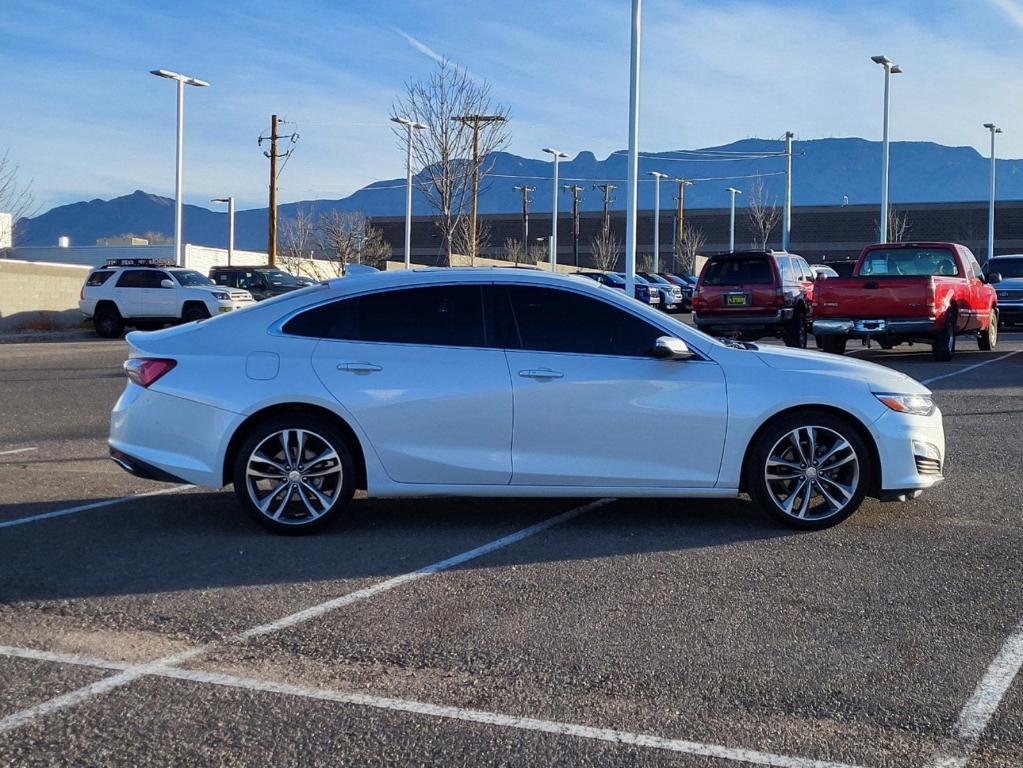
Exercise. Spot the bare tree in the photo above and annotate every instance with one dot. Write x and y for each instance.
(461, 240)
(606, 250)
(16, 198)
(762, 215)
(444, 147)
(898, 225)
(645, 263)
(513, 250)
(686, 252)
(297, 241)
(345, 237)
(537, 252)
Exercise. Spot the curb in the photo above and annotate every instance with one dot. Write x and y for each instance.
(38, 336)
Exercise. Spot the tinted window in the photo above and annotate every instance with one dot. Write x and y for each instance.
(99, 277)
(552, 320)
(887, 262)
(1007, 268)
(141, 278)
(337, 320)
(754, 270)
(226, 278)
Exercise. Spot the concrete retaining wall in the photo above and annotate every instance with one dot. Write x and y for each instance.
(39, 296)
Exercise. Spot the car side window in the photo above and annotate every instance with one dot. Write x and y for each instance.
(972, 266)
(555, 320)
(805, 273)
(98, 277)
(785, 265)
(225, 278)
(133, 278)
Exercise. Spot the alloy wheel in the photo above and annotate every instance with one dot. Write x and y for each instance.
(812, 473)
(294, 476)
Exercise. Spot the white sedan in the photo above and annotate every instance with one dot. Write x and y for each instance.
(506, 382)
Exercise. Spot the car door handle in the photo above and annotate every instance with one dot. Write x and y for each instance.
(359, 367)
(541, 374)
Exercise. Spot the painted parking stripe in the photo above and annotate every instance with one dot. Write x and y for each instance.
(130, 674)
(969, 368)
(92, 505)
(643, 740)
(17, 450)
(980, 708)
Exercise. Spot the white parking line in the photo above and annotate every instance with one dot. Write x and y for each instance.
(969, 368)
(980, 708)
(17, 450)
(647, 741)
(92, 505)
(158, 666)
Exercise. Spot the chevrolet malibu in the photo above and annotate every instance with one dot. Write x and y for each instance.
(509, 383)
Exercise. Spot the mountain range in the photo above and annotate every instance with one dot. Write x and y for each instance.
(825, 172)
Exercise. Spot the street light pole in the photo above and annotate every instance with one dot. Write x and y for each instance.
(890, 68)
(786, 227)
(558, 154)
(633, 168)
(410, 125)
(182, 80)
(731, 220)
(230, 224)
(991, 201)
(657, 217)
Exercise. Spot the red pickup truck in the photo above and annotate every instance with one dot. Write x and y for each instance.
(906, 292)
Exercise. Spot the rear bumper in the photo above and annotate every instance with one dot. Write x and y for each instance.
(139, 468)
(725, 321)
(873, 327)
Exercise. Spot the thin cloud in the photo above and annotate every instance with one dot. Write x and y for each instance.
(1012, 8)
(420, 46)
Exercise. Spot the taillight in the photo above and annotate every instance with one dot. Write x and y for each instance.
(697, 302)
(779, 297)
(146, 370)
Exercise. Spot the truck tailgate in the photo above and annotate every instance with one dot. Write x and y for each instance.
(872, 297)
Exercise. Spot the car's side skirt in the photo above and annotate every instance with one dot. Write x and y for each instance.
(392, 490)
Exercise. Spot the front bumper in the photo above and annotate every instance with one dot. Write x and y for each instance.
(911, 450)
(1010, 311)
(861, 328)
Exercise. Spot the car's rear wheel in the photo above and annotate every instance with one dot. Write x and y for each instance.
(988, 339)
(944, 344)
(833, 344)
(294, 474)
(809, 470)
(795, 331)
(108, 322)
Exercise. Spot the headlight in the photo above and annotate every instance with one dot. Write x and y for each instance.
(918, 405)
(219, 296)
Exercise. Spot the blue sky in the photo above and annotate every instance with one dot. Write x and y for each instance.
(85, 119)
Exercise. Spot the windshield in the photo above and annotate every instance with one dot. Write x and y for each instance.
(188, 277)
(921, 262)
(279, 277)
(655, 278)
(616, 279)
(1007, 268)
(754, 270)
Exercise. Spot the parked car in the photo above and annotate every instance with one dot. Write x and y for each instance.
(687, 289)
(143, 293)
(261, 281)
(822, 270)
(648, 294)
(899, 292)
(753, 294)
(671, 295)
(360, 383)
(1009, 293)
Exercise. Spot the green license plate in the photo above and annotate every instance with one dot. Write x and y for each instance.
(736, 300)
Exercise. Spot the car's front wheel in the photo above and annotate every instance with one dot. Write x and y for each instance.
(987, 339)
(294, 474)
(809, 470)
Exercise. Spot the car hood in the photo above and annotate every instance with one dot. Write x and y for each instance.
(1009, 284)
(877, 377)
(220, 289)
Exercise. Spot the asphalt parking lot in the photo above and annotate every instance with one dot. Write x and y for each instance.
(145, 624)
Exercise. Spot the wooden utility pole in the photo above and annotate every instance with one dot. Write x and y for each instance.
(271, 238)
(525, 190)
(575, 189)
(474, 121)
(607, 189)
(680, 201)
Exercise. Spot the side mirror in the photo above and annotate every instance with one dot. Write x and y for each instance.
(994, 277)
(671, 348)
(166, 283)
(820, 276)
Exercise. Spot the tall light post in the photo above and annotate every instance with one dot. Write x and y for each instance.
(183, 80)
(890, 68)
(411, 125)
(786, 225)
(731, 220)
(558, 154)
(657, 217)
(230, 224)
(991, 201)
(632, 177)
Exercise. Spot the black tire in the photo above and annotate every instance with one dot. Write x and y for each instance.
(108, 322)
(854, 476)
(833, 344)
(194, 312)
(295, 501)
(795, 331)
(944, 344)
(886, 345)
(988, 340)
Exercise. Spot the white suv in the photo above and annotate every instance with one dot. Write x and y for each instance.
(145, 293)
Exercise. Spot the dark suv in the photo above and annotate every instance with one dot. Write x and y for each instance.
(261, 282)
(753, 294)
